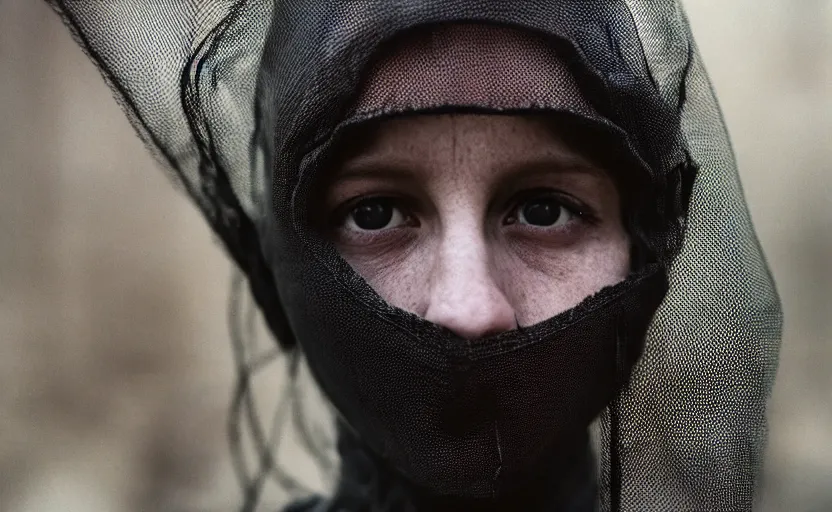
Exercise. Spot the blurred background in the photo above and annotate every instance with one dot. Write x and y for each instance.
(115, 364)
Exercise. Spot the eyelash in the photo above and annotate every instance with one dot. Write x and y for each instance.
(580, 210)
(575, 206)
(340, 213)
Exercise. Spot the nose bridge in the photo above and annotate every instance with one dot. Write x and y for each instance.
(465, 294)
(464, 249)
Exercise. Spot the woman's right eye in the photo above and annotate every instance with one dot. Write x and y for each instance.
(374, 214)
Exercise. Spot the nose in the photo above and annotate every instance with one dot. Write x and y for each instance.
(464, 296)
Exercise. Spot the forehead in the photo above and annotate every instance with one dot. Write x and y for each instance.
(427, 136)
(475, 65)
(459, 148)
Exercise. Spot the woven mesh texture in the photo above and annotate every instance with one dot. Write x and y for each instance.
(469, 65)
(237, 98)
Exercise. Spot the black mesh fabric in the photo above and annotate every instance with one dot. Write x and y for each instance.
(240, 101)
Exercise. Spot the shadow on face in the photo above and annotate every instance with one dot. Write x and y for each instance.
(478, 223)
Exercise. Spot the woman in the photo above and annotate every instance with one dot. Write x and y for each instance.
(484, 226)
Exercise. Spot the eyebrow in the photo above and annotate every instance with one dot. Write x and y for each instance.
(376, 166)
(548, 164)
(404, 169)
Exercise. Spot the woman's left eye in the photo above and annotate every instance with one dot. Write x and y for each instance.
(542, 211)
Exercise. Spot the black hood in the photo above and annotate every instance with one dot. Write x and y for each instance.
(241, 100)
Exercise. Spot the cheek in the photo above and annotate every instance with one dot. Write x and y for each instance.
(397, 274)
(543, 281)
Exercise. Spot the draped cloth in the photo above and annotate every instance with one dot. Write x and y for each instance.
(228, 93)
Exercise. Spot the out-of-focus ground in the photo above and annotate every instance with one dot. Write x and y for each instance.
(115, 366)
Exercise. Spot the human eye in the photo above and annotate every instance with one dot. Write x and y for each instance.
(373, 214)
(545, 209)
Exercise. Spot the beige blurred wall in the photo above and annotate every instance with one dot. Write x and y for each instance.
(771, 65)
(114, 362)
(115, 367)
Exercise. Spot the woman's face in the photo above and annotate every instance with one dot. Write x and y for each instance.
(478, 223)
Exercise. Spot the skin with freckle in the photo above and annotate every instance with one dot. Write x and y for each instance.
(457, 249)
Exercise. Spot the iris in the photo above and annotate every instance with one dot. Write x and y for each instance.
(542, 212)
(372, 214)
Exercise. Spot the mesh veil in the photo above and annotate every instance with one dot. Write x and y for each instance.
(216, 87)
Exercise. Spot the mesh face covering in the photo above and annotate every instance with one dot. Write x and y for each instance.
(243, 102)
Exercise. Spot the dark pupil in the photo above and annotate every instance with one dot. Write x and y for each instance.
(372, 214)
(542, 212)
